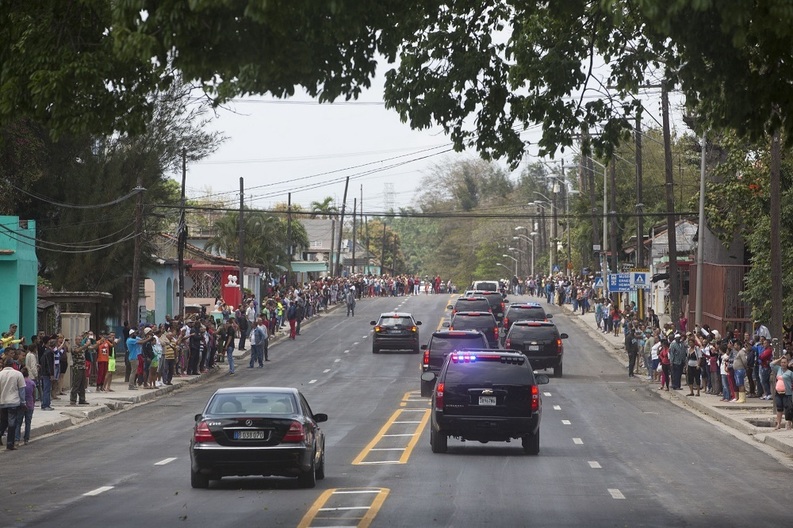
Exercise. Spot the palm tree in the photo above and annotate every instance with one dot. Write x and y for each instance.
(324, 209)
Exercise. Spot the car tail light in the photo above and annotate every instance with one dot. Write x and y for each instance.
(295, 433)
(426, 360)
(202, 433)
(378, 328)
(495, 332)
(439, 396)
(414, 328)
(535, 398)
(508, 343)
(506, 322)
(502, 307)
(558, 346)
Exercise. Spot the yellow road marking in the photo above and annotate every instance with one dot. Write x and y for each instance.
(343, 512)
(413, 441)
(358, 459)
(394, 419)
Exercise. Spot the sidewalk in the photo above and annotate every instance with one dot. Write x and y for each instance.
(104, 403)
(755, 418)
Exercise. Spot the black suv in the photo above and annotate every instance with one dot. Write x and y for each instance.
(485, 322)
(473, 303)
(540, 341)
(530, 311)
(442, 342)
(395, 331)
(496, 301)
(486, 395)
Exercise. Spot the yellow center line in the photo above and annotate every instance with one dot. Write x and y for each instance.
(383, 430)
(364, 521)
(312, 512)
(377, 503)
(413, 441)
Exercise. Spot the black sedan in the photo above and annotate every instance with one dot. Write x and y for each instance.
(257, 431)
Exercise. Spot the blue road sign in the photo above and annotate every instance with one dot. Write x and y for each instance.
(640, 280)
(599, 282)
(619, 282)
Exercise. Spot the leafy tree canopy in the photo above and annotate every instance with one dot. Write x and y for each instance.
(90, 65)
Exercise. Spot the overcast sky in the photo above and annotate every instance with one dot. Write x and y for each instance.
(300, 146)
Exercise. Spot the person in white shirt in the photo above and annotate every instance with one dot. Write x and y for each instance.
(12, 398)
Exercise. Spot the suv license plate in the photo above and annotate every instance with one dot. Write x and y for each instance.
(248, 435)
(487, 400)
(534, 348)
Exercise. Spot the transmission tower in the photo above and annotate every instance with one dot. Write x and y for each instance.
(388, 196)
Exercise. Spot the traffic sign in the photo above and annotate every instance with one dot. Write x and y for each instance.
(640, 280)
(599, 283)
(619, 282)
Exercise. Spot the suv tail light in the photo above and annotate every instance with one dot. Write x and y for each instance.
(508, 343)
(535, 398)
(202, 433)
(439, 396)
(559, 346)
(426, 360)
(495, 332)
(502, 307)
(506, 322)
(378, 328)
(295, 433)
(414, 328)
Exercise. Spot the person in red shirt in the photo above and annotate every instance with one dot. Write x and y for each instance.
(764, 361)
(102, 358)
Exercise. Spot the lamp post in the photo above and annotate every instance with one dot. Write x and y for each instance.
(516, 262)
(503, 266)
(552, 242)
(530, 241)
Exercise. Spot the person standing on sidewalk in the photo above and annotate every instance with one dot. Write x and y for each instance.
(647, 352)
(242, 323)
(764, 368)
(677, 356)
(633, 342)
(693, 356)
(102, 358)
(79, 378)
(26, 412)
(133, 351)
(257, 346)
(230, 333)
(739, 369)
(12, 400)
(350, 298)
(291, 316)
(663, 359)
(47, 372)
(783, 389)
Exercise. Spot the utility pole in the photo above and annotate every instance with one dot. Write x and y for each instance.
(339, 265)
(671, 233)
(331, 266)
(181, 236)
(138, 250)
(365, 221)
(382, 253)
(354, 210)
(289, 225)
(776, 248)
(241, 236)
(639, 210)
(554, 231)
(613, 215)
(701, 235)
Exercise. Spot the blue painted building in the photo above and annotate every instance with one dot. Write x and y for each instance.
(18, 274)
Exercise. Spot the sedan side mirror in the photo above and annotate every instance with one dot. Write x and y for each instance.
(418, 323)
(322, 417)
(449, 307)
(198, 417)
(506, 300)
(423, 347)
(549, 316)
(446, 324)
(373, 323)
(564, 336)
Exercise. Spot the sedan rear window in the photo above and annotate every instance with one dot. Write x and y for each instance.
(396, 321)
(252, 403)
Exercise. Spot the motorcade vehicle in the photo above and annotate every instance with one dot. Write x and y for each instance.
(483, 321)
(540, 341)
(395, 331)
(530, 311)
(257, 431)
(496, 300)
(469, 304)
(441, 344)
(484, 396)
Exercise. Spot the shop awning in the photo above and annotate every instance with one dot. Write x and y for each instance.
(308, 266)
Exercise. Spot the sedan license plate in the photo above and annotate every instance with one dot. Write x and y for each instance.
(487, 400)
(248, 435)
(534, 348)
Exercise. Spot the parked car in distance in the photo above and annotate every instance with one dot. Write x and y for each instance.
(540, 341)
(441, 344)
(484, 396)
(395, 331)
(257, 431)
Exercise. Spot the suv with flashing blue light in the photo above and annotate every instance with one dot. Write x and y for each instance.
(442, 343)
(484, 396)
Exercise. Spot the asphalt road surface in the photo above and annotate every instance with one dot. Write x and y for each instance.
(612, 453)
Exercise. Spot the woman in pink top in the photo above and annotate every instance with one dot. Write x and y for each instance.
(663, 357)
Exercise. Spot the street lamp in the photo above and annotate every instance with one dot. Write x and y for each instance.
(552, 242)
(503, 266)
(530, 241)
(516, 262)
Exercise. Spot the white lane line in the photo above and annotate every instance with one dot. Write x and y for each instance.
(353, 492)
(414, 410)
(356, 343)
(594, 465)
(346, 351)
(365, 337)
(408, 422)
(336, 360)
(546, 393)
(379, 462)
(616, 494)
(312, 381)
(557, 407)
(97, 491)
(165, 461)
(326, 371)
(405, 434)
(388, 449)
(578, 441)
(566, 422)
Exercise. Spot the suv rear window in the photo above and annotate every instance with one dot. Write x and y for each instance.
(490, 372)
(471, 304)
(538, 333)
(526, 313)
(445, 344)
(486, 285)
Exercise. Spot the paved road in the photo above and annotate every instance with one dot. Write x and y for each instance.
(612, 453)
